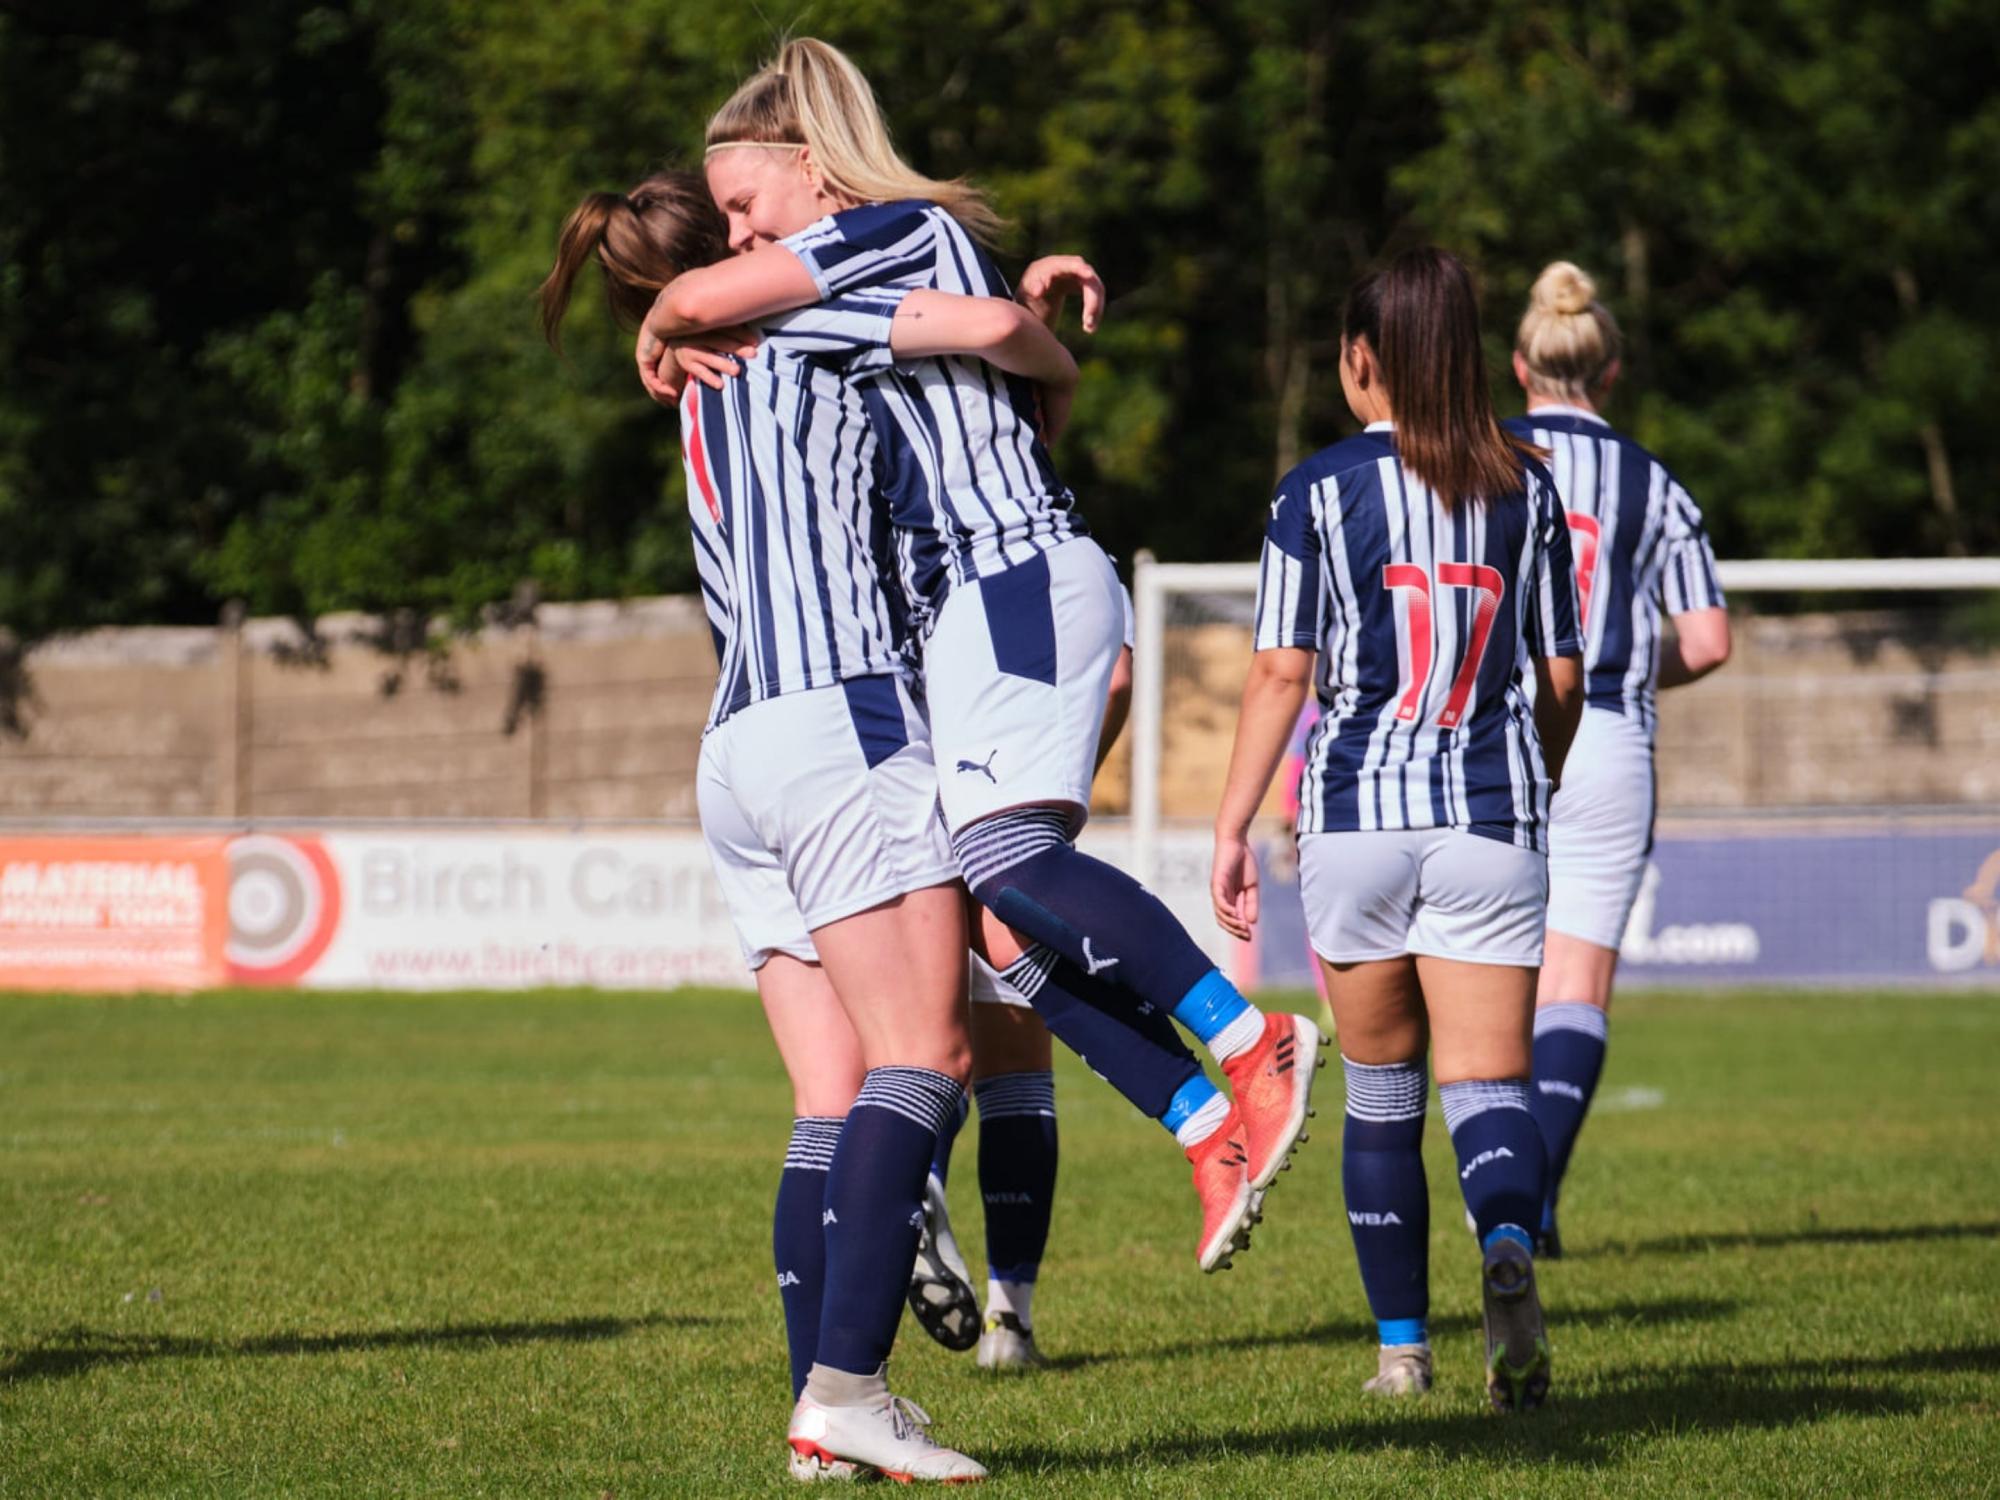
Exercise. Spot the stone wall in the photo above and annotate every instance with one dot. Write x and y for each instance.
(1852, 709)
(595, 712)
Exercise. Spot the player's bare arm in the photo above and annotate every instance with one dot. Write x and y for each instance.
(1272, 697)
(1117, 706)
(742, 289)
(1700, 644)
(1005, 334)
(1558, 708)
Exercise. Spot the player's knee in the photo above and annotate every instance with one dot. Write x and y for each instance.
(1008, 1039)
(999, 858)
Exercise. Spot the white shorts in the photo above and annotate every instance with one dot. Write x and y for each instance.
(1439, 892)
(819, 805)
(1016, 674)
(988, 987)
(1601, 829)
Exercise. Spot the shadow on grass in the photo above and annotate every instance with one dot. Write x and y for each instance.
(1581, 1429)
(1624, 1313)
(1778, 1239)
(76, 1350)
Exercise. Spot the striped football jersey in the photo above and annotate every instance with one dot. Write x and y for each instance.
(1640, 548)
(967, 480)
(1427, 621)
(792, 554)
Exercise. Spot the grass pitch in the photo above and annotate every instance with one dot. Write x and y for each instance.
(356, 1245)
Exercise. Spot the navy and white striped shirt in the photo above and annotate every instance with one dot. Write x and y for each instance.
(1427, 622)
(966, 477)
(794, 559)
(1640, 548)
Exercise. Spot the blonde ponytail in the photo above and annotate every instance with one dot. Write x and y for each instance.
(811, 95)
(1567, 338)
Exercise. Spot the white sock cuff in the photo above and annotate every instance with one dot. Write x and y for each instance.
(812, 1143)
(920, 1095)
(1573, 1015)
(1031, 970)
(1240, 1035)
(1007, 1095)
(1384, 1093)
(1204, 1122)
(1475, 1096)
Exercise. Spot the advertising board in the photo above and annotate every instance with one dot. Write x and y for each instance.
(422, 909)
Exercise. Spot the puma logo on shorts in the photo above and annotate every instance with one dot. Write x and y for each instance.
(985, 769)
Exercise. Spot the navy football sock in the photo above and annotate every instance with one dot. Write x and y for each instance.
(875, 1211)
(1023, 869)
(798, 1240)
(948, 1138)
(1388, 1200)
(1502, 1164)
(1570, 1040)
(1017, 1170)
(1127, 1042)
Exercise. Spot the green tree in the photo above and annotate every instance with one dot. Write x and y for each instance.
(267, 270)
(1793, 208)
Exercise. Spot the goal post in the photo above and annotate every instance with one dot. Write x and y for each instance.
(1163, 595)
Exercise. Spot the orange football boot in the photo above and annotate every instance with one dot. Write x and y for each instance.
(1228, 1201)
(1273, 1084)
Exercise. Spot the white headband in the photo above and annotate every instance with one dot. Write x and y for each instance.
(762, 145)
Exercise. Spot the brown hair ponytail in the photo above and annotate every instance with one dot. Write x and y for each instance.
(641, 240)
(1421, 319)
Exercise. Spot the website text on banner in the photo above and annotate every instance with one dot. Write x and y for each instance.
(1902, 902)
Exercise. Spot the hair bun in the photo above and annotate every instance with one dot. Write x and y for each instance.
(1563, 288)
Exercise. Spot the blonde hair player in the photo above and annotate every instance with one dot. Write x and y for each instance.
(815, 782)
(1640, 552)
(980, 524)
(1021, 619)
(1425, 562)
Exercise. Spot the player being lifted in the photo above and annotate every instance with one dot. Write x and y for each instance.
(816, 788)
(1426, 562)
(1640, 550)
(1020, 614)
(1015, 1088)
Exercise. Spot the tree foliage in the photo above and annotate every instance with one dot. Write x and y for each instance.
(266, 269)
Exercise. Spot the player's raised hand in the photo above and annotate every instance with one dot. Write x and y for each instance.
(714, 358)
(1232, 886)
(1050, 282)
(659, 372)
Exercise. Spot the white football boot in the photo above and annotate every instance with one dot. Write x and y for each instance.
(1401, 1370)
(941, 1292)
(1008, 1344)
(890, 1437)
(810, 1470)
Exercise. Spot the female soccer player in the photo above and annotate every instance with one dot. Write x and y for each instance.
(1640, 550)
(1426, 561)
(817, 790)
(1013, 1082)
(1018, 609)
